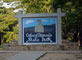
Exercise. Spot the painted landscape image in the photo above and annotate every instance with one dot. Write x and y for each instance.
(39, 25)
(43, 26)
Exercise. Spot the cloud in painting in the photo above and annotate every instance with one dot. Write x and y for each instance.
(44, 20)
(28, 22)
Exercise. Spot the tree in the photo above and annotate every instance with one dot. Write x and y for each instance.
(72, 22)
(72, 8)
(7, 22)
(38, 6)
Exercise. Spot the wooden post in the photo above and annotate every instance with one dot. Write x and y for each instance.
(60, 14)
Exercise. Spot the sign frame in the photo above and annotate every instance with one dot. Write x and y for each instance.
(59, 14)
(41, 42)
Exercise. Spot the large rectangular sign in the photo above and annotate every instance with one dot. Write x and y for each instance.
(40, 30)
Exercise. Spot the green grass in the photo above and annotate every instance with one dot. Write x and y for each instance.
(80, 48)
(1, 47)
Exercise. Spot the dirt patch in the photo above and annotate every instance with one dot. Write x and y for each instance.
(61, 56)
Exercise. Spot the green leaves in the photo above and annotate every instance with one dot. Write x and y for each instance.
(38, 6)
(72, 8)
(7, 22)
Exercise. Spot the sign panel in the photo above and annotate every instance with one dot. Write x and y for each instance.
(40, 30)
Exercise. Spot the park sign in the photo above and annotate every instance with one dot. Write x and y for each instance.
(41, 28)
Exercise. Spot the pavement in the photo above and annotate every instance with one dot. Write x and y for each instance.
(33, 55)
(27, 55)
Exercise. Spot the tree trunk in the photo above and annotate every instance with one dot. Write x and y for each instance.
(80, 33)
(80, 37)
(0, 39)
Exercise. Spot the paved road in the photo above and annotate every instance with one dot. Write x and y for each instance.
(27, 55)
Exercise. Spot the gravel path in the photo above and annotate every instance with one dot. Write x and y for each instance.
(6, 55)
(61, 56)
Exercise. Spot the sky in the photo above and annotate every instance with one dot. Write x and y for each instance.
(32, 22)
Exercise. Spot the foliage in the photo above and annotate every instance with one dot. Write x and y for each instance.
(15, 30)
(72, 8)
(7, 22)
(10, 0)
(1, 47)
(38, 6)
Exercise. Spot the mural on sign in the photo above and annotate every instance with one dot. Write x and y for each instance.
(39, 30)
